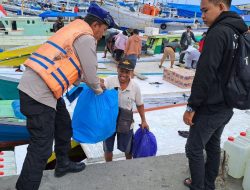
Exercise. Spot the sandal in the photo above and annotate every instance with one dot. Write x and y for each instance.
(187, 182)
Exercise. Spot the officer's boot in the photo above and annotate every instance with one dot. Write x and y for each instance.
(64, 166)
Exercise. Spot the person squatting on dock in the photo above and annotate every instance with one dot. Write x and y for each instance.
(120, 44)
(169, 51)
(73, 50)
(191, 57)
(207, 112)
(129, 93)
(109, 42)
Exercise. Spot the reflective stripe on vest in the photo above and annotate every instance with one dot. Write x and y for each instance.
(45, 67)
(64, 52)
(52, 63)
(56, 62)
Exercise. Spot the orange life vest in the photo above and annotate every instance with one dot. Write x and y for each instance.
(152, 10)
(55, 61)
(157, 11)
(146, 9)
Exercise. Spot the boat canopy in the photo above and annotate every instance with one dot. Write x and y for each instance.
(194, 10)
(47, 14)
(126, 4)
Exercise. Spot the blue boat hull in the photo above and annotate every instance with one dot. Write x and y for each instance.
(13, 132)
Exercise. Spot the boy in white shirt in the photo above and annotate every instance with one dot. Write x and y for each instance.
(129, 93)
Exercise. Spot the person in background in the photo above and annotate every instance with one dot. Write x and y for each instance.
(58, 24)
(133, 47)
(196, 24)
(248, 28)
(201, 42)
(76, 9)
(109, 43)
(186, 40)
(191, 57)
(50, 5)
(207, 112)
(170, 50)
(63, 8)
(73, 51)
(120, 44)
(130, 31)
(129, 93)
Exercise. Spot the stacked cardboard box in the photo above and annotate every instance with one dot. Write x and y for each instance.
(180, 77)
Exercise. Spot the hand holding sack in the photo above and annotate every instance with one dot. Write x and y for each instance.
(144, 144)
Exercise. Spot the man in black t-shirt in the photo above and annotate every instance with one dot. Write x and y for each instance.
(58, 24)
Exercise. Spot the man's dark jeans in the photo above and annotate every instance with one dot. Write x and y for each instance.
(205, 134)
(44, 125)
(182, 55)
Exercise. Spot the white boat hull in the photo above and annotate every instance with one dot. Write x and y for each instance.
(128, 19)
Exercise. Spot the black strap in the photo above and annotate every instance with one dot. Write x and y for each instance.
(232, 68)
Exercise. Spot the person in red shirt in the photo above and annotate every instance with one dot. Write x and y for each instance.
(76, 9)
(201, 42)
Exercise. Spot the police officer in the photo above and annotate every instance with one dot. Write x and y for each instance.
(73, 50)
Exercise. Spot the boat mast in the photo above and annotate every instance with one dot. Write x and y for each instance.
(22, 7)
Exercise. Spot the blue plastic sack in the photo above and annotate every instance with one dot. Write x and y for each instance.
(144, 144)
(94, 117)
(16, 108)
(74, 93)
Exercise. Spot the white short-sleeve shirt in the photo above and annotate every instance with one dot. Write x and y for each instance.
(128, 96)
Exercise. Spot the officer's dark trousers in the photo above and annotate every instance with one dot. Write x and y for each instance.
(205, 134)
(44, 125)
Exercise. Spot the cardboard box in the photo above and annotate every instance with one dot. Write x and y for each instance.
(180, 77)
